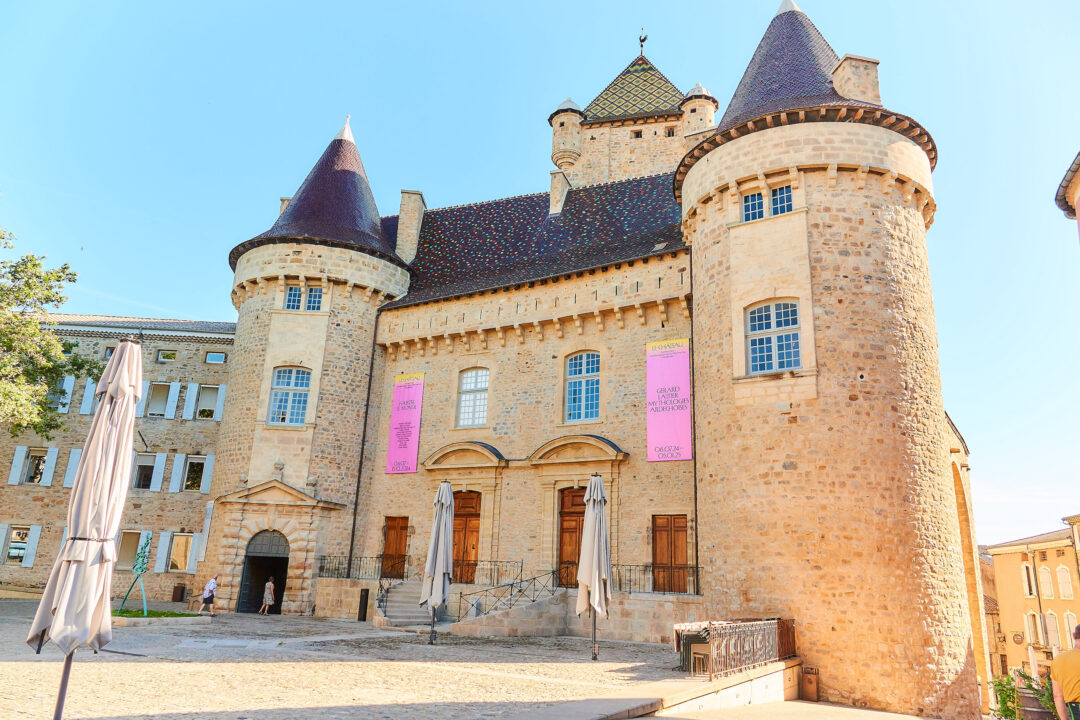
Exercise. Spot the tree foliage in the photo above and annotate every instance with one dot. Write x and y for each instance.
(33, 359)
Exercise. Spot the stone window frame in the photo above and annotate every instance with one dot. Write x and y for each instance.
(34, 466)
(463, 394)
(208, 361)
(186, 555)
(199, 408)
(135, 465)
(289, 392)
(772, 333)
(303, 296)
(150, 397)
(189, 461)
(582, 377)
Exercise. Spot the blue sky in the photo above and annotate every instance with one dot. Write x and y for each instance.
(144, 140)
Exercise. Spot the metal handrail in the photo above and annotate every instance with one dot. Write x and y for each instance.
(363, 568)
(670, 579)
(488, 572)
(507, 595)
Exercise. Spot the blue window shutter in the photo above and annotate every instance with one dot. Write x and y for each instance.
(63, 537)
(159, 471)
(31, 546)
(17, 465)
(177, 478)
(50, 466)
(68, 387)
(170, 404)
(72, 467)
(207, 517)
(189, 401)
(87, 397)
(141, 405)
(3, 537)
(193, 554)
(207, 475)
(220, 408)
(162, 559)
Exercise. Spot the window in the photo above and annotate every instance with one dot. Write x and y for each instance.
(781, 200)
(1053, 632)
(166, 356)
(193, 473)
(670, 132)
(1032, 628)
(1028, 580)
(143, 472)
(472, 397)
(636, 134)
(289, 396)
(293, 293)
(17, 539)
(772, 338)
(179, 551)
(35, 467)
(1046, 583)
(583, 387)
(129, 548)
(753, 208)
(206, 406)
(1042, 555)
(109, 351)
(1065, 582)
(314, 299)
(1070, 628)
(216, 358)
(158, 399)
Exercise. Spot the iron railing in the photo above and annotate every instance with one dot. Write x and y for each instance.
(488, 572)
(736, 646)
(677, 579)
(363, 568)
(507, 595)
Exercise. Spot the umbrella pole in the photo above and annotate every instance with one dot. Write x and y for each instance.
(595, 647)
(431, 640)
(62, 695)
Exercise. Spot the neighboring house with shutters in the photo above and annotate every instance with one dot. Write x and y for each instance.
(185, 368)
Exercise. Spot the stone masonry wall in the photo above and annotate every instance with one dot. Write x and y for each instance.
(611, 152)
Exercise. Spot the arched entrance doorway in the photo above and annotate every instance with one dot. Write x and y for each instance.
(571, 522)
(267, 556)
(466, 535)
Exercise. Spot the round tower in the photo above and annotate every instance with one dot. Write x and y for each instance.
(306, 293)
(822, 459)
(566, 134)
(699, 111)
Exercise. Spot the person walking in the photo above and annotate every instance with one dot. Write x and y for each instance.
(1065, 675)
(208, 595)
(268, 597)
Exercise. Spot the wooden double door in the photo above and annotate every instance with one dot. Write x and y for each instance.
(571, 522)
(466, 535)
(395, 542)
(669, 553)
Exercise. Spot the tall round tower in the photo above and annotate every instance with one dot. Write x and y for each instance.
(306, 292)
(822, 460)
(566, 134)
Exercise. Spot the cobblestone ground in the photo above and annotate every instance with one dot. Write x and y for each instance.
(278, 668)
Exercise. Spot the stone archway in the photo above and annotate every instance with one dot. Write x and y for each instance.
(266, 556)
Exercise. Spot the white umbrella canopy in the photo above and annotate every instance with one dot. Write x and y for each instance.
(439, 568)
(594, 564)
(75, 608)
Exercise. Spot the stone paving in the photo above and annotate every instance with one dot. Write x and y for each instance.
(280, 668)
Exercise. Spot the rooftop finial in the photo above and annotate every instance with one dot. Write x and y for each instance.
(641, 40)
(346, 132)
(788, 6)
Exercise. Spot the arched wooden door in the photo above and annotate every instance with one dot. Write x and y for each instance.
(571, 521)
(466, 535)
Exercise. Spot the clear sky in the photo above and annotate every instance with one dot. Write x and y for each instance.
(141, 141)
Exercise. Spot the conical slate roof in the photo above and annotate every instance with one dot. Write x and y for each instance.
(333, 206)
(639, 90)
(791, 68)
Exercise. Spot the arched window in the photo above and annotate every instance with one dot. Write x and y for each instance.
(289, 396)
(1070, 628)
(1053, 632)
(1046, 582)
(1065, 583)
(1028, 580)
(772, 337)
(472, 397)
(1031, 626)
(583, 387)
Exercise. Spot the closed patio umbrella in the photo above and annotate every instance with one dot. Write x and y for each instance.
(594, 564)
(439, 568)
(75, 609)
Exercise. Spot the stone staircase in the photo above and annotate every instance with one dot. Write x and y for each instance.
(403, 605)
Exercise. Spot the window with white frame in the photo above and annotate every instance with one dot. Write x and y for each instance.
(472, 397)
(294, 295)
(193, 473)
(34, 468)
(166, 356)
(583, 387)
(143, 472)
(157, 399)
(1028, 580)
(216, 358)
(753, 207)
(17, 538)
(289, 396)
(1064, 578)
(1070, 628)
(314, 299)
(128, 549)
(772, 337)
(781, 200)
(298, 297)
(1053, 631)
(179, 551)
(1033, 628)
(1046, 583)
(206, 405)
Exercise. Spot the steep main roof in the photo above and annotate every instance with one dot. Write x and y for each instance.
(638, 91)
(471, 248)
(334, 206)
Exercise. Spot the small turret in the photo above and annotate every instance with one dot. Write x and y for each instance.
(566, 134)
(699, 111)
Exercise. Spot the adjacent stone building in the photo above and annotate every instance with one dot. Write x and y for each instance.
(731, 322)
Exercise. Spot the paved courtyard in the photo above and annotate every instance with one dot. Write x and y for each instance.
(278, 668)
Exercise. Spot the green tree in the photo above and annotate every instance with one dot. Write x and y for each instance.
(33, 360)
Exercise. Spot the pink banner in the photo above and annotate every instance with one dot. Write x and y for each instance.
(405, 423)
(668, 426)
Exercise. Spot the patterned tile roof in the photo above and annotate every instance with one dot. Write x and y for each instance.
(140, 323)
(487, 245)
(638, 90)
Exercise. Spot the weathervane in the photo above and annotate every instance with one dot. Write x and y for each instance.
(641, 40)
